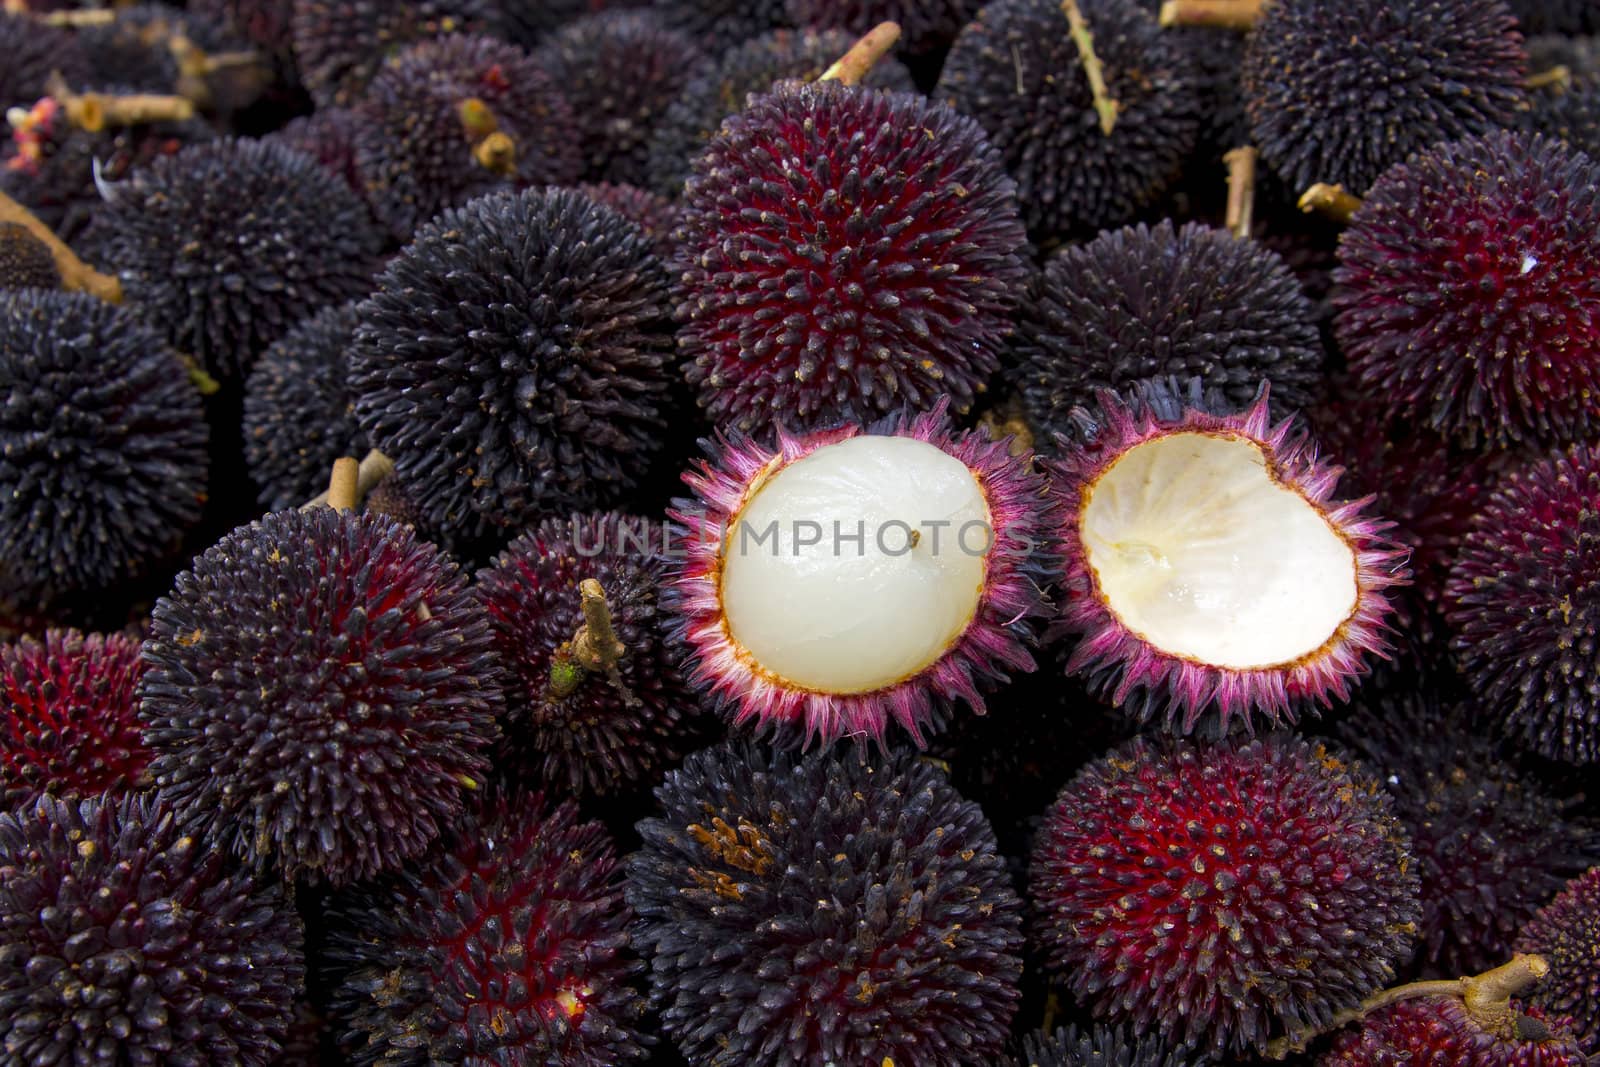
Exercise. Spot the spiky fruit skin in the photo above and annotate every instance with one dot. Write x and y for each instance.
(266, 24)
(1150, 684)
(507, 947)
(614, 117)
(1491, 843)
(599, 736)
(340, 45)
(1556, 16)
(1005, 70)
(1430, 486)
(655, 215)
(102, 444)
(844, 254)
(1340, 93)
(1468, 291)
(415, 154)
(514, 358)
(124, 941)
(1022, 561)
(1148, 302)
(1099, 1046)
(753, 66)
(925, 25)
(913, 955)
(25, 261)
(327, 135)
(319, 689)
(224, 246)
(32, 51)
(297, 410)
(131, 53)
(1566, 932)
(1439, 1030)
(530, 22)
(721, 25)
(1570, 115)
(69, 721)
(1223, 894)
(1520, 603)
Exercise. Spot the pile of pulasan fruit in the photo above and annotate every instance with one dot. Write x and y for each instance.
(800, 533)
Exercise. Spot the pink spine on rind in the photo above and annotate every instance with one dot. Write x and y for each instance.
(1022, 562)
(1190, 687)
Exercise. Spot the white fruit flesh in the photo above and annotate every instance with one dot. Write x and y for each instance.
(846, 616)
(1200, 551)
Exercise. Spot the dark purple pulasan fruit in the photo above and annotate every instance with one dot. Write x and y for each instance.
(1146, 302)
(320, 691)
(1098, 1046)
(1440, 1030)
(225, 246)
(1521, 604)
(298, 415)
(25, 261)
(614, 116)
(838, 907)
(32, 52)
(69, 721)
(582, 731)
(425, 122)
(102, 445)
(340, 45)
(1491, 843)
(509, 946)
(925, 25)
(1468, 291)
(844, 254)
(754, 66)
(1566, 932)
(1340, 92)
(1223, 894)
(1016, 70)
(125, 942)
(514, 358)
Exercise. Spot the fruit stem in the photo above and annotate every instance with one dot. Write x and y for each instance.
(1558, 77)
(1241, 190)
(1217, 14)
(863, 55)
(93, 112)
(343, 483)
(70, 20)
(373, 468)
(76, 275)
(1487, 996)
(595, 647)
(1103, 103)
(1330, 200)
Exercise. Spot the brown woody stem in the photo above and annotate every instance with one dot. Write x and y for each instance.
(76, 275)
(93, 112)
(1330, 200)
(1103, 103)
(1241, 190)
(1217, 14)
(373, 468)
(1559, 77)
(594, 648)
(1487, 996)
(343, 494)
(863, 55)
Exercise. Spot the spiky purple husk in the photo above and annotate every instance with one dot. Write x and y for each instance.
(997, 640)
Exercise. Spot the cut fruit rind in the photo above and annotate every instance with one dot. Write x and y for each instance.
(1208, 567)
(908, 663)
